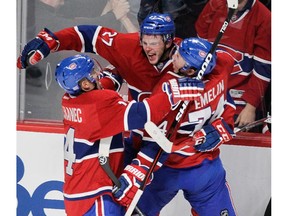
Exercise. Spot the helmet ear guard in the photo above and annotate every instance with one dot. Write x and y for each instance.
(168, 37)
(194, 51)
(70, 71)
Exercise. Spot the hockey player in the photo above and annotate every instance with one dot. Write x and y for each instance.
(196, 168)
(248, 40)
(93, 117)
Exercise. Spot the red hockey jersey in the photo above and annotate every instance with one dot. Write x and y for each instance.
(122, 50)
(248, 40)
(90, 119)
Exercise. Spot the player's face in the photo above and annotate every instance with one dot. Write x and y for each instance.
(87, 86)
(179, 63)
(153, 47)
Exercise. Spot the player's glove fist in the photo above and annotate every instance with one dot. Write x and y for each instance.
(212, 135)
(38, 48)
(130, 180)
(182, 89)
(109, 79)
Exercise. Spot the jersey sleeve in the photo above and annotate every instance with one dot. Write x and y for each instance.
(72, 39)
(116, 115)
(151, 109)
(261, 75)
(227, 63)
(87, 38)
(256, 89)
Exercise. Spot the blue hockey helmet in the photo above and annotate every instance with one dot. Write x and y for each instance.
(158, 24)
(73, 69)
(194, 51)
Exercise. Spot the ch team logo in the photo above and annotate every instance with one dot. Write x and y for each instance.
(72, 66)
(224, 213)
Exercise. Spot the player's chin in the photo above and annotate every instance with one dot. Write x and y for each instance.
(153, 63)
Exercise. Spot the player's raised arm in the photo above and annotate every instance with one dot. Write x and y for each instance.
(46, 42)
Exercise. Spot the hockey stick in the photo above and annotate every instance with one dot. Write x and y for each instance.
(155, 131)
(103, 158)
(253, 124)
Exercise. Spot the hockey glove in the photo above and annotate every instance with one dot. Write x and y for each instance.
(212, 135)
(109, 78)
(182, 89)
(131, 180)
(38, 48)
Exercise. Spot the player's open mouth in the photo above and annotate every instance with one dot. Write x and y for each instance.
(151, 57)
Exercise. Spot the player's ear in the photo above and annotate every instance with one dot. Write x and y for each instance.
(85, 85)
